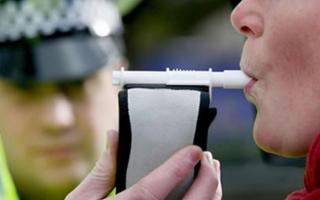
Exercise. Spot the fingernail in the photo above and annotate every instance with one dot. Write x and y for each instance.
(208, 157)
(216, 164)
(195, 154)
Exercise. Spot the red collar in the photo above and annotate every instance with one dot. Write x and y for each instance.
(312, 171)
(311, 175)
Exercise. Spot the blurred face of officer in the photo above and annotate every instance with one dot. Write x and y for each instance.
(282, 55)
(52, 133)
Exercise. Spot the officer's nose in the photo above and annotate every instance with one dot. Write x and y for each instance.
(58, 113)
(247, 18)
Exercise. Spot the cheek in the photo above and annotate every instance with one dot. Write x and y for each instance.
(292, 40)
(288, 112)
(84, 121)
(14, 120)
(291, 49)
(16, 127)
(95, 115)
(286, 53)
(103, 103)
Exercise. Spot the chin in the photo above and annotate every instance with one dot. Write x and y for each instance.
(58, 184)
(284, 151)
(65, 174)
(290, 148)
(279, 143)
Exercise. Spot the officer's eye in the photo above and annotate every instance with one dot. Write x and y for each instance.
(74, 89)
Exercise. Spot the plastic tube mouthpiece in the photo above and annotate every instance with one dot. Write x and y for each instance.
(230, 79)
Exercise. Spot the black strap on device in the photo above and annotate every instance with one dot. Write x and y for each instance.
(156, 121)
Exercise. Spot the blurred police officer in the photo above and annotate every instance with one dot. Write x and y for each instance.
(56, 95)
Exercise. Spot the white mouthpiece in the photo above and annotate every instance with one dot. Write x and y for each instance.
(226, 79)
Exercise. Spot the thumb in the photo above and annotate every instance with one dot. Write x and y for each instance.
(100, 182)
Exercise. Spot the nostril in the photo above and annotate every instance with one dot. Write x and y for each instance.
(246, 30)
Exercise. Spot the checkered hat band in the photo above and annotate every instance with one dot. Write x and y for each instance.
(30, 18)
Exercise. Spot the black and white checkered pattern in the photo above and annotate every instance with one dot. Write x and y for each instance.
(29, 18)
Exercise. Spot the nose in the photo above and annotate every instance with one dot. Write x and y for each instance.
(58, 114)
(247, 18)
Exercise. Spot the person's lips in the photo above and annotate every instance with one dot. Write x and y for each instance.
(57, 154)
(248, 87)
(59, 151)
(63, 147)
(251, 83)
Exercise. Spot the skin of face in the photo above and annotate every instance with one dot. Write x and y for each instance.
(53, 133)
(281, 53)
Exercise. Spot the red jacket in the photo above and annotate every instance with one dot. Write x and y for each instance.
(311, 175)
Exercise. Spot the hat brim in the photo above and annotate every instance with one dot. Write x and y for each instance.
(58, 59)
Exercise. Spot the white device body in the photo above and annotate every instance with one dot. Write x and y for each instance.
(232, 79)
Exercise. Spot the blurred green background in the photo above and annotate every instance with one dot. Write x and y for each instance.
(197, 34)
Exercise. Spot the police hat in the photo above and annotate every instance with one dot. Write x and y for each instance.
(57, 40)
